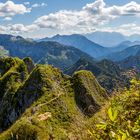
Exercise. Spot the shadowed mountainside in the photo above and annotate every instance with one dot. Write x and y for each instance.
(108, 73)
(45, 100)
(53, 53)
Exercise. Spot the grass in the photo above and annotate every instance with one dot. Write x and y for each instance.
(49, 109)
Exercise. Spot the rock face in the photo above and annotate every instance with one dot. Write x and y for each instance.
(45, 100)
(89, 95)
(13, 73)
(29, 63)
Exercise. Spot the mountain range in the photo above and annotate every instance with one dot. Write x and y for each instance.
(131, 62)
(53, 53)
(63, 56)
(121, 55)
(116, 53)
(111, 39)
(124, 45)
(80, 42)
(108, 73)
(41, 101)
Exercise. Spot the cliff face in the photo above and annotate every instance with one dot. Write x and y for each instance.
(89, 95)
(43, 102)
(14, 73)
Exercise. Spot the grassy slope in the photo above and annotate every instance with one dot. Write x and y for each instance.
(55, 114)
(125, 125)
(46, 103)
(120, 118)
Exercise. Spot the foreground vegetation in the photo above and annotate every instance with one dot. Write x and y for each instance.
(42, 103)
(120, 119)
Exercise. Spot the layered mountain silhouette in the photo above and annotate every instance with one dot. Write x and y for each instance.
(124, 45)
(131, 62)
(53, 53)
(82, 43)
(109, 74)
(111, 39)
(118, 56)
(107, 39)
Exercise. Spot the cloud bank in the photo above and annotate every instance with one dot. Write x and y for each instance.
(86, 20)
(10, 9)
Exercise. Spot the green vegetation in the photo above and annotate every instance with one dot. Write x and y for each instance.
(89, 95)
(121, 119)
(52, 53)
(45, 100)
(41, 103)
(108, 74)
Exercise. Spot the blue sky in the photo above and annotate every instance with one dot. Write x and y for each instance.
(40, 18)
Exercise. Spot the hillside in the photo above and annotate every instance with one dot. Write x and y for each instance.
(53, 53)
(112, 39)
(124, 45)
(107, 39)
(109, 74)
(120, 118)
(45, 104)
(118, 56)
(131, 62)
(80, 42)
(3, 52)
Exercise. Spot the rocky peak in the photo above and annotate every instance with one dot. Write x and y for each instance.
(89, 95)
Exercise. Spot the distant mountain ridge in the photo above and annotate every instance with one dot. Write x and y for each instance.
(108, 73)
(80, 42)
(118, 56)
(124, 45)
(111, 39)
(107, 39)
(49, 52)
(131, 62)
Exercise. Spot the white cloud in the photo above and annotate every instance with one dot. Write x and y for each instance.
(9, 9)
(88, 18)
(27, 3)
(95, 7)
(2, 29)
(91, 17)
(36, 5)
(7, 18)
(126, 29)
(17, 28)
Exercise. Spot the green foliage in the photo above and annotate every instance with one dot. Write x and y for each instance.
(46, 104)
(122, 121)
(89, 95)
(108, 73)
(112, 114)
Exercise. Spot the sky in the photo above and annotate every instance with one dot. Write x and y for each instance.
(45, 18)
